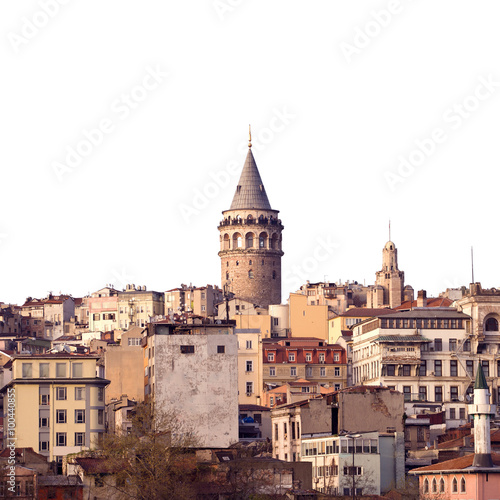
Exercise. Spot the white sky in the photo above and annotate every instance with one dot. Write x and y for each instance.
(329, 116)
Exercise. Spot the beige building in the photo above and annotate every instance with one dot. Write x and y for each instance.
(308, 320)
(124, 366)
(103, 310)
(55, 403)
(137, 306)
(250, 384)
(201, 301)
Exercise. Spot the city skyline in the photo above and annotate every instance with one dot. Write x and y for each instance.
(121, 150)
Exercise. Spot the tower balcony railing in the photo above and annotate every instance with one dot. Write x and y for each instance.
(261, 221)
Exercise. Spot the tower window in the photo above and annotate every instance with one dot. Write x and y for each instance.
(250, 274)
(250, 262)
(262, 261)
(227, 276)
(274, 275)
(237, 262)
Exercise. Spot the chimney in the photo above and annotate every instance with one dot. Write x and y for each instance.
(422, 298)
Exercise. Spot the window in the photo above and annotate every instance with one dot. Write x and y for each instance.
(250, 274)
(322, 371)
(291, 356)
(406, 370)
(453, 368)
(462, 413)
(61, 393)
(453, 344)
(249, 388)
(79, 393)
(249, 344)
(44, 370)
(452, 414)
(422, 371)
(391, 370)
(270, 356)
(441, 485)
(454, 485)
(438, 368)
(466, 346)
(43, 445)
(60, 370)
(77, 370)
(134, 341)
(272, 371)
(61, 416)
(486, 367)
(249, 366)
(454, 392)
(434, 485)
(79, 416)
(79, 438)
(426, 485)
(100, 417)
(60, 439)
(221, 349)
(308, 356)
(44, 399)
(438, 393)
(27, 370)
(407, 392)
(293, 371)
(491, 325)
(337, 371)
(187, 349)
(43, 422)
(336, 356)
(100, 394)
(321, 357)
(422, 393)
(438, 344)
(470, 367)
(98, 481)
(462, 485)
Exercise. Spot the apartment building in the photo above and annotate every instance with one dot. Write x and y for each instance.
(103, 310)
(313, 359)
(55, 403)
(137, 306)
(425, 353)
(201, 301)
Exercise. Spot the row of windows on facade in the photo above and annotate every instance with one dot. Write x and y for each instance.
(422, 395)
(62, 394)
(293, 371)
(184, 349)
(24, 488)
(44, 370)
(62, 417)
(430, 324)
(333, 470)
(250, 238)
(292, 357)
(393, 370)
(61, 439)
(340, 445)
(439, 487)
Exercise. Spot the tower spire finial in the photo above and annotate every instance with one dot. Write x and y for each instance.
(390, 230)
(249, 136)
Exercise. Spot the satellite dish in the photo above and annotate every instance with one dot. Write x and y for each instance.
(461, 398)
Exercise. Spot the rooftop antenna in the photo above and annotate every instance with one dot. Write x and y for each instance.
(472, 261)
(390, 230)
(249, 136)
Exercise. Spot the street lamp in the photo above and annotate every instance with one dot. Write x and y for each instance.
(353, 437)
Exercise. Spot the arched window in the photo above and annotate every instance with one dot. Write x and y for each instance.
(491, 325)
(237, 262)
(263, 240)
(237, 240)
(454, 485)
(227, 276)
(426, 482)
(434, 485)
(441, 485)
(274, 275)
(250, 274)
(225, 245)
(250, 262)
(249, 240)
(462, 485)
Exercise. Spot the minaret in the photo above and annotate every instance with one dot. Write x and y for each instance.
(250, 240)
(482, 411)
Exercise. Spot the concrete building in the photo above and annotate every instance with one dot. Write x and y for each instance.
(424, 353)
(69, 409)
(250, 382)
(103, 310)
(290, 359)
(137, 306)
(201, 301)
(191, 370)
(308, 320)
(127, 357)
(250, 241)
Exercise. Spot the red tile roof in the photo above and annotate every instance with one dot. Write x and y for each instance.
(455, 464)
(431, 302)
(366, 312)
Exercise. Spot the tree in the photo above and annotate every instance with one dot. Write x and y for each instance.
(154, 461)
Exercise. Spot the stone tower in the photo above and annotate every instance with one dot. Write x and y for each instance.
(250, 241)
(390, 278)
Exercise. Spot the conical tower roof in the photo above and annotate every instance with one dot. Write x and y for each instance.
(250, 192)
(480, 379)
